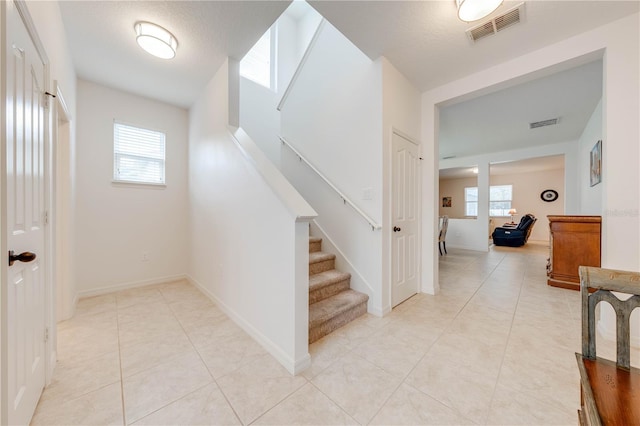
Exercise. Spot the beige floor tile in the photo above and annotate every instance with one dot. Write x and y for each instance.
(144, 312)
(95, 305)
(355, 332)
(258, 386)
(139, 296)
(137, 332)
(482, 352)
(231, 353)
(466, 391)
(205, 406)
(100, 407)
(74, 348)
(325, 352)
(393, 355)
(516, 408)
(149, 354)
(408, 406)
(356, 385)
(73, 378)
(201, 316)
(152, 389)
(211, 333)
(307, 406)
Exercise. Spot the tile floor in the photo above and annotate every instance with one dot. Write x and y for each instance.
(495, 346)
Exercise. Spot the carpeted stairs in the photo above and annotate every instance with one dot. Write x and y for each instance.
(332, 303)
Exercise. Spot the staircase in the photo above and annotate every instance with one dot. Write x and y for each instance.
(332, 303)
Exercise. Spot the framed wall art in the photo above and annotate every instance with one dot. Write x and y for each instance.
(595, 164)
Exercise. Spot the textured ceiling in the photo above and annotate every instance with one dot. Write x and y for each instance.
(500, 121)
(423, 39)
(427, 42)
(104, 49)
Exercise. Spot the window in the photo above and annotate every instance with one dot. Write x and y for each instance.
(471, 201)
(259, 64)
(138, 155)
(499, 200)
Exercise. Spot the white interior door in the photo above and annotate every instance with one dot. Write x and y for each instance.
(25, 304)
(405, 240)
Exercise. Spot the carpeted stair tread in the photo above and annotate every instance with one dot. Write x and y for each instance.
(326, 284)
(320, 256)
(340, 303)
(326, 278)
(315, 244)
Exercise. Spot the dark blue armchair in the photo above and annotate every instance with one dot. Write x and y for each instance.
(517, 236)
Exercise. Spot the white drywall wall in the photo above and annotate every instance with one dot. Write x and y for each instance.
(333, 116)
(248, 252)
(590, 196)
(117, 223)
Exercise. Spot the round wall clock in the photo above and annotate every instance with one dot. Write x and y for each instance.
(549, 195)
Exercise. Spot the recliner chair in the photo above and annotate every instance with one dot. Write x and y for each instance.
(514, 237)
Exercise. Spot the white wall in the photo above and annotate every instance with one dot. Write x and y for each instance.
(526, 198)
(590, 196)
(333, 116)
(260, 118)
(116, 223)
(401, 112)
(248, 250)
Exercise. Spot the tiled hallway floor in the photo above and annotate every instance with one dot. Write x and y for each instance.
(495, 346)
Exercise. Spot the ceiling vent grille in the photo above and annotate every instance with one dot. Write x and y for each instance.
(498, 23)
(543, 123)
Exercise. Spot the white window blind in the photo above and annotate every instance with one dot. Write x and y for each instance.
(138, 154)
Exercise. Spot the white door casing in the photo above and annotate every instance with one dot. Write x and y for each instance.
(24, 307)
(405, 251)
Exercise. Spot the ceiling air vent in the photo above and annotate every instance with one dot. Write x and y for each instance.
(543, 123)
(497, 23)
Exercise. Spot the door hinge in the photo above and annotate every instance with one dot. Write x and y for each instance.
(46, 334)
(46, 217)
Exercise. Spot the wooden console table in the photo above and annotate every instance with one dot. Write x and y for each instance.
(574, 241)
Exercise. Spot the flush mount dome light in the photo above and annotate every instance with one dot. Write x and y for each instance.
(472, 10)
(156, 40)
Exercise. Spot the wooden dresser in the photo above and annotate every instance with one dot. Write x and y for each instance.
(574, 241)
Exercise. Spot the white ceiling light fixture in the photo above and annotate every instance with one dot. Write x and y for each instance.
(156, 40)
(472, 10)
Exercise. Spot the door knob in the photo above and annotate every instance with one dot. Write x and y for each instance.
(26, 256)
(396, 229)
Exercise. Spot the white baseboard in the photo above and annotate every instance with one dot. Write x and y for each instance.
(127, 286)
(293, 366)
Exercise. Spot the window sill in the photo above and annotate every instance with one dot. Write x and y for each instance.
(133, 184)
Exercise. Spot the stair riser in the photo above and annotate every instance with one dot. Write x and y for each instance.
(344, 318)
(325, 265)
(315, 246)
(328, 291)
